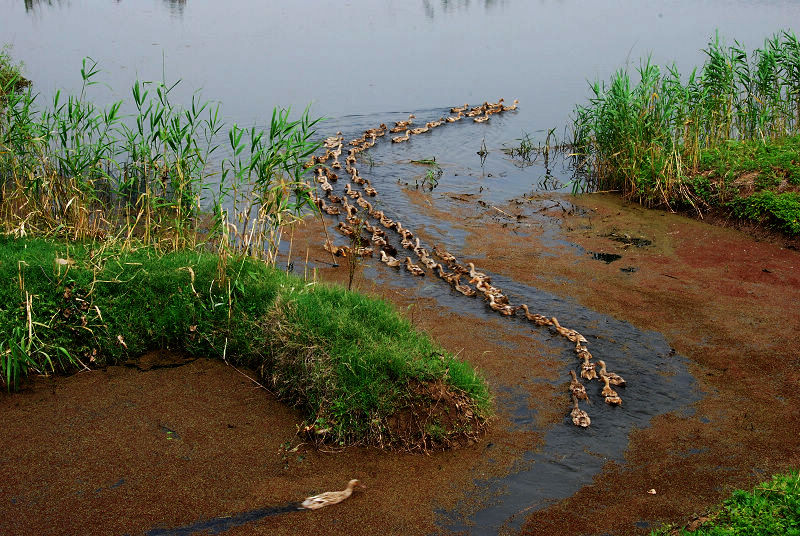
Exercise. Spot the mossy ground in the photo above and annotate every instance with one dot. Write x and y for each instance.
(353, 365)
(771, 509)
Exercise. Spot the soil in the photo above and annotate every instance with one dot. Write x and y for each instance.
(125, 450)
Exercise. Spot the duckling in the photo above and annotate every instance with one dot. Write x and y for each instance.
(370, 191)
(482, 119)
(614, 379)
(579, 417)
(466, 290)
(576, 387)
(420, 130)
(459, 109)
(505, 310)
(611, 396)
(570, 334)
(587, 370)
(512, 107)
(443, 254)
(413, 268)
(389, 260)
(331, 497)
(401, 139)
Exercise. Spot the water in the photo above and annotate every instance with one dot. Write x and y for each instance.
(362, 63)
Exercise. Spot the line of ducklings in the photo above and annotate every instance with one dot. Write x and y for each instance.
(496, 299)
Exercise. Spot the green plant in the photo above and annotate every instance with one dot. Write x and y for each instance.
(772, 508)
(646, 138)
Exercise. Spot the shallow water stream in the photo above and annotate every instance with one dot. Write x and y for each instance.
(364, 63)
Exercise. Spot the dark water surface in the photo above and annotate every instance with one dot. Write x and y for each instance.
(363, 63)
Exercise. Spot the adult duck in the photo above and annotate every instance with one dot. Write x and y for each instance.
(388, 260)
(443, 254)
(613, 379)
(474, 274)
(503, 309)
(539, 320)
(331, 497)
(401, 139)
(576, 387)
(611, 396)
(466, 290)
(570, 334)
(579, 417)
(588, 371)
(413, 268)
(459, 109)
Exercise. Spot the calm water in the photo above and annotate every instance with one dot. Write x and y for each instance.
(361, 63)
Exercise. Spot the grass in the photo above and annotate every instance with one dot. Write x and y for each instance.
(349, 362)
(658, 138)
(123, 234)
(75, 170)
(771, 509)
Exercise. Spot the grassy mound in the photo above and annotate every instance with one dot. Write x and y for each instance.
(359, 371)
(771, 509)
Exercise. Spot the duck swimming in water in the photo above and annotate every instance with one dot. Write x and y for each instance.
(570, 334)
(613, 379)
(539, 320)
(576, 387)
(611, 396)
(413, 268)
(401, 139)
(331, 497)
(579, 417)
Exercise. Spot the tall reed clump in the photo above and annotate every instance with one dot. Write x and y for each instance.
(81, 171)
(646, 138)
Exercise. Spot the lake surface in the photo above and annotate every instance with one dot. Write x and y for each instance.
(362, 63)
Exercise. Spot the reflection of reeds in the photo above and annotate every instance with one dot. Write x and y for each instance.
(645, 138)
(80, 171)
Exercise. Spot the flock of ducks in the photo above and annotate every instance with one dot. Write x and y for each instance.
(462, 278)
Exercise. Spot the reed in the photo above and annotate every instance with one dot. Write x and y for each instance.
(77, 170)
(648, 138)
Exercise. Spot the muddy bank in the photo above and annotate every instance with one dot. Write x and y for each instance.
(128, 451)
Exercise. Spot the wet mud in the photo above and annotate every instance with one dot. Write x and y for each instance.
(703, 324)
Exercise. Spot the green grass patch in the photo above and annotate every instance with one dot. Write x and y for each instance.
(771, 509)
(358, 370)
